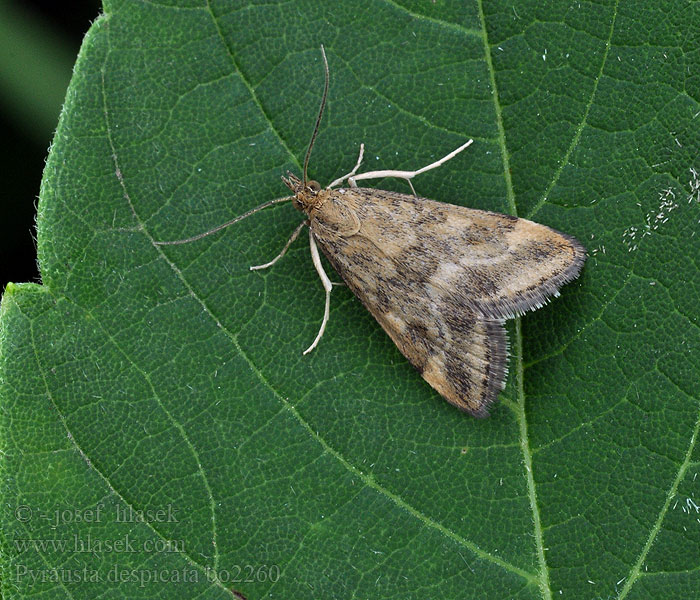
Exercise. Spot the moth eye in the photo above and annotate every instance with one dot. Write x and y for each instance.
(314, 186)
(298, 205)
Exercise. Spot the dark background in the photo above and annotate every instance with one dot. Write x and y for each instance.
(39, 42)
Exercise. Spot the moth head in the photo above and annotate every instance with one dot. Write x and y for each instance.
(306, 195)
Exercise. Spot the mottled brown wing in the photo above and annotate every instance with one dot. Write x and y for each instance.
(498, 265)
(461, 355)
(441, 278)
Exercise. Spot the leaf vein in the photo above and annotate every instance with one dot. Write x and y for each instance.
(172, 419)
(636, 570)
(584, 119)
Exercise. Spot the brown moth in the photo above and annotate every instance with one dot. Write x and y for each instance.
(440, 279)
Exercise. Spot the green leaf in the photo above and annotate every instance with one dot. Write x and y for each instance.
(168, 382)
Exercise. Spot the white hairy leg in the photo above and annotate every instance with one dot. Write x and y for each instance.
(327, 285)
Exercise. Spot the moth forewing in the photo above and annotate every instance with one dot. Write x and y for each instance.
(441, 278)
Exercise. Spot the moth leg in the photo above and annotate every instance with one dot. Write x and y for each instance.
(327, 285)
(408, 181)
(351, 173)
(407, 175)
(290, 241)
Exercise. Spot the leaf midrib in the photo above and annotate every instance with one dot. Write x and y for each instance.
(521, 417)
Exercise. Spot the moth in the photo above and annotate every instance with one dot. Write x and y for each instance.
(440, 279)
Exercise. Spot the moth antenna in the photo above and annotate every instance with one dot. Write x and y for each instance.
(320, 113)
(199, 236)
